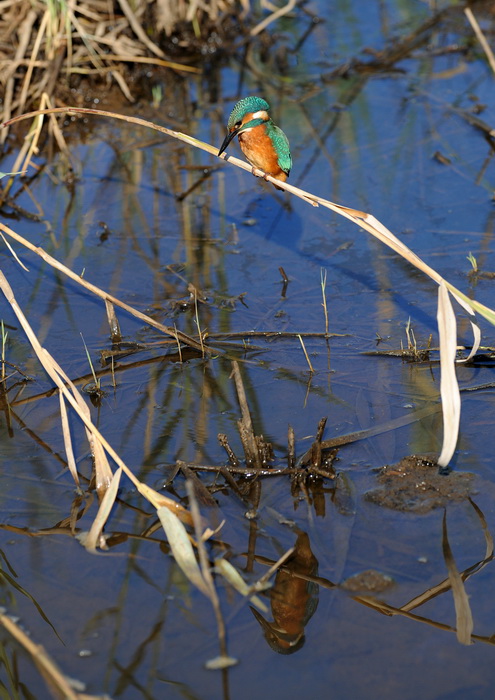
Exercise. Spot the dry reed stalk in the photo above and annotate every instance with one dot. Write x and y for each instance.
(179, 350)
(113, 322)
(198, 574)
(71, 462)
(232, 576)
(53, 676)
(481, 37)
(94, 538)
(359, 218)
(245, 425)
(261, 583)
(445, 585)
(177, 335)
(311, 369)
(32, 59)
(148, 60)
(291, 448)
(58, 376)
(24, 35)
(276, 14)
(138, 30)
(99, 445)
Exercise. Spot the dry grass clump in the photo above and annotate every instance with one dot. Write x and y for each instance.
(182, 16)
(53, 46)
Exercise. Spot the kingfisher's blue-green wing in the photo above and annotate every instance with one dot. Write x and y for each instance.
(281, 144)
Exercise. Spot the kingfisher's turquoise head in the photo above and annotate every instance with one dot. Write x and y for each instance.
(247, 114)
(265, 145)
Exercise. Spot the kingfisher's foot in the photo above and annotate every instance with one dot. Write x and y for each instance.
(253, 171)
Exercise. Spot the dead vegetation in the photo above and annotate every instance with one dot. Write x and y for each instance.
(60, 49)
(447, 293)
(100, 44)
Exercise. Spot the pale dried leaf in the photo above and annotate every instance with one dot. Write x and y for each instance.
(208, 533)
(449, 388)
(71, 462)
(231, 575)
(474, 327)
(159, 500)
(93, 538)
(182, 548)
(220, 662)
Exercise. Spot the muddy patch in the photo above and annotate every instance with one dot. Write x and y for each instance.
(370, 581)
(414, 485)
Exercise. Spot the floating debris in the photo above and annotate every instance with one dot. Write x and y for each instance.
(369, 581)
(414, 485)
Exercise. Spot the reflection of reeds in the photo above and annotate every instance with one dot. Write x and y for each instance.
(56, 680)
(446, 318)
(454, 582)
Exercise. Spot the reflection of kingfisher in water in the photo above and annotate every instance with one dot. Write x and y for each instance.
(293, 600)
(265, 145)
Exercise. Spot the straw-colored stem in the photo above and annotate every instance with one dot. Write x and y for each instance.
(306, 354)
(481, 37)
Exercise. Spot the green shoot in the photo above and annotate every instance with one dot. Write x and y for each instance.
(473, 261)
(4, 345)
(157, 95)
(96, 379)
(20, 172)
(323, 279)
(197, 322)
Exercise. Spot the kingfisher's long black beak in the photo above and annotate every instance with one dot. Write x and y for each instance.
(226, 141)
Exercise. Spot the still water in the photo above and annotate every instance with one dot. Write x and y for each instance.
(147, 217)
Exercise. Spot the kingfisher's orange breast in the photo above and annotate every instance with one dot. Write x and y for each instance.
(258, 149)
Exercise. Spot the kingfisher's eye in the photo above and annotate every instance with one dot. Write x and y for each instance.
(238, 124)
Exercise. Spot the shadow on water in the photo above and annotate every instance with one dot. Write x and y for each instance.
(365, 545)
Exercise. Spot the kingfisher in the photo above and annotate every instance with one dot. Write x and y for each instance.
(293, 599)
(265, 145)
